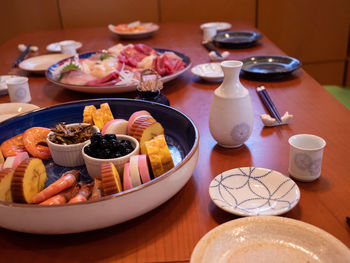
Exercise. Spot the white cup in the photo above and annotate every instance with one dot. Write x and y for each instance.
(209, 32)
(305, 156)
(18, 89)
(68, 47)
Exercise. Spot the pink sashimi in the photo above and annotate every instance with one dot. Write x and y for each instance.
(76, 77)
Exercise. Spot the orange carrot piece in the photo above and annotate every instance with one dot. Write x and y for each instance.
(62, 197)
(82, 195)
(97, 189)
(67, 180)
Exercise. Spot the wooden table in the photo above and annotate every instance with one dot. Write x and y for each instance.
(170, 232)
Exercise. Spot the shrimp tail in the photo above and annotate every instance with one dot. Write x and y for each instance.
(97, 189)
(82, 195)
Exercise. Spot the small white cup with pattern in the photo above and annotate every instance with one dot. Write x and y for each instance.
(305, 156)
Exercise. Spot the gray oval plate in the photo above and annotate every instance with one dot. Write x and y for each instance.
(237, 39)
(269, 66)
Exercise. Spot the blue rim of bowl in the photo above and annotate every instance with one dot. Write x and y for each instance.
(191, 152)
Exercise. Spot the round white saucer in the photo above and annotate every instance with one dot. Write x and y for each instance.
(55, 47)
(209, 71)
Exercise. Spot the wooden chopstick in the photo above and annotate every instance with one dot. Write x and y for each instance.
(264, 96)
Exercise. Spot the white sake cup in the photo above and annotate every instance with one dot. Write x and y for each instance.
(18, 89)
(305, 156)
(209, 32)
(68, 47)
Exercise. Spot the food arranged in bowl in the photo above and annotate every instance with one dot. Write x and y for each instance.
(100, 210)
(134, 30)
(111, 158)
(118, 67)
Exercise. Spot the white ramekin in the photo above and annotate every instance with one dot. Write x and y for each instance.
(68, 155)
(93, 165)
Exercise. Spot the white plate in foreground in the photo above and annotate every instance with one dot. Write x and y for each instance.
(40, 64)
(252, 191)
(9, 110)
(267, 239)
(55, 47)
(209, 71)
(220, 26)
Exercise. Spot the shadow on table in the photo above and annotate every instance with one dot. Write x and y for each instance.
(115, 242)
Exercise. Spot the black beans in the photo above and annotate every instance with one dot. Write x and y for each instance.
(108, 146)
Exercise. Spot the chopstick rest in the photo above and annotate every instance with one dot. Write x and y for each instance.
(274, 118)
(269, 121)
(214, 57)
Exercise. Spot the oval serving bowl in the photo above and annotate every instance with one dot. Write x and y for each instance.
(182, 137)
(118, 88)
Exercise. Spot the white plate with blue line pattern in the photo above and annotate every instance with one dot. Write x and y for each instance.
(251, 191)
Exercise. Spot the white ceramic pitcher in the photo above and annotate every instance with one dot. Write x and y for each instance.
(231, 114)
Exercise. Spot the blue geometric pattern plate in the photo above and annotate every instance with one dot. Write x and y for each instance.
(250, 191)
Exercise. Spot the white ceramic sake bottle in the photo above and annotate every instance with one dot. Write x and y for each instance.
(231, 115)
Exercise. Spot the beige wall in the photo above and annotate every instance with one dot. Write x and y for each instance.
(24, 15)
(314, 31)
(83, 13)
(201, 10)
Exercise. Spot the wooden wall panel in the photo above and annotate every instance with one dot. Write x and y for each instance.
(83, 13)
(312, 30)
(330, 73)
(207, 10)
(22, 15)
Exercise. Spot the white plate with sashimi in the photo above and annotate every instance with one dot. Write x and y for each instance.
(117, 69)
(42, 186)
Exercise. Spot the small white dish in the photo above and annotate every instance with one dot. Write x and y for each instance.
(250, 191)
(40, 64)
(135, 35)
(56, 47)
(93, 165)
(209, 71)
(269, 239)
(3, 85)
(220, 26)
(68, 155)
(9, 110)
